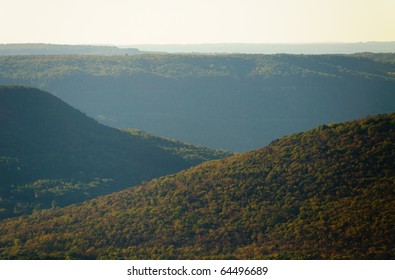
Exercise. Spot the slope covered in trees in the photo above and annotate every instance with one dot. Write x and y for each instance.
(190, 152)
(232, 102)
(324, 194)
(52, 155)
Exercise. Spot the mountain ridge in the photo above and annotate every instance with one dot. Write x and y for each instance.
(57, 49)
(233, 102)
(327, 193)
(52, 154)
(301, 48)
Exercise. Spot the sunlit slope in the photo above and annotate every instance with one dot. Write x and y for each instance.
(327, 193)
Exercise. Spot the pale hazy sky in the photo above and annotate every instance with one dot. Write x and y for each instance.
(123, 22)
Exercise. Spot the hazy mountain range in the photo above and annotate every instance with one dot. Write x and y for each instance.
(232, 102)
(312, 48)
(53, 49)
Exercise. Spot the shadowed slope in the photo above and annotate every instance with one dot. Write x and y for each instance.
(52, 154)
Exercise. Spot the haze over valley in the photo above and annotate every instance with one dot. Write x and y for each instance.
(235, 102)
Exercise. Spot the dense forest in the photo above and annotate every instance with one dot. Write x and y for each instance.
(236, 102)
(52, 155)
(327, 193)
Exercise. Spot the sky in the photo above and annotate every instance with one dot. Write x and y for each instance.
(127, 22)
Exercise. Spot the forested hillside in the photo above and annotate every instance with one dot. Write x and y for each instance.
(52, 155)
(324, 194)
(233, 102)
(189, 152)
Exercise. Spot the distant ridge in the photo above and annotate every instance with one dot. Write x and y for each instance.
(313, 48)
(232, 102)
(303, 48)
(53, 49)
